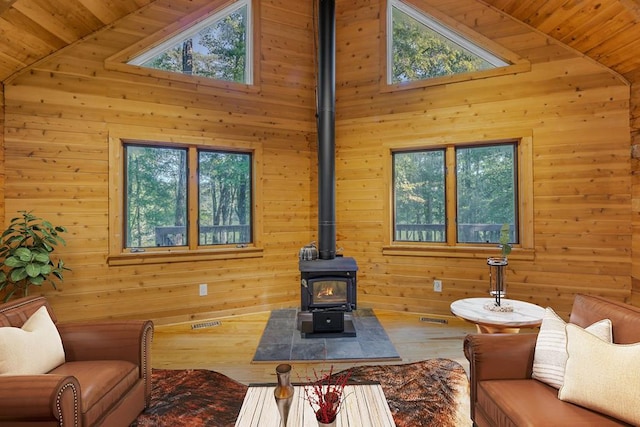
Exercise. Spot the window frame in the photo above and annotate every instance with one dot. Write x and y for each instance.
(516, 64)
(524, 249)
(120, 255)
(516, 193)
(195, 29)
(120, 60)
(439, 28)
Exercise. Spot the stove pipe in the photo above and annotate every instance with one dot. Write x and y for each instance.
(326, 130)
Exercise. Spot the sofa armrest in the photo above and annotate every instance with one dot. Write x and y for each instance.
(111, 340)
(498, 356)
(25, 398)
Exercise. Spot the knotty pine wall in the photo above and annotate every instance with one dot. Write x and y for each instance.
(59, 114)
(577, 113)
(635, 172)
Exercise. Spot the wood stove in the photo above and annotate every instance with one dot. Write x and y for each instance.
(328, 284)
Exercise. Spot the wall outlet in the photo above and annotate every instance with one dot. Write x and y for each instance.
(437, 285)
(203, 289)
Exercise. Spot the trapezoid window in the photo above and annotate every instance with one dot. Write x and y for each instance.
(218, 47)
(419, 47)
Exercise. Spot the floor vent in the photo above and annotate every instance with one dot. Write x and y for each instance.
(434, 320)
(206, 324)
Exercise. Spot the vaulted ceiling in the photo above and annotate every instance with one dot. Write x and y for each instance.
(607, 31)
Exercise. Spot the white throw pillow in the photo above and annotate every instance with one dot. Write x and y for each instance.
(602, 376)
(36, 348)
(550, 355)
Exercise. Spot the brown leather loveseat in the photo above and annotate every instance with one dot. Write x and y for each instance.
(105, 379)
(503, 392)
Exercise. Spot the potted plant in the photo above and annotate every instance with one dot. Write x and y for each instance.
(325, 396)
(25, 251)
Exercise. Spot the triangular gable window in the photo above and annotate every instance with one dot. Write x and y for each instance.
(419, 47)
(218, 47)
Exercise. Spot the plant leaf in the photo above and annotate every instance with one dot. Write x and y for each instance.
(23, 253)
(38, 280)
(32, 270)
(41, 257)
(18, 274)
(14, 262)
(45, 269)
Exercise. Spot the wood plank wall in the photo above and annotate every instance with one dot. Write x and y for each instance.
(60, 112)
(634, 118)
(2, 162)
(577, 113)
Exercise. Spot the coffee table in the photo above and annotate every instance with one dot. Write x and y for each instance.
(524, 315)
(364, 405)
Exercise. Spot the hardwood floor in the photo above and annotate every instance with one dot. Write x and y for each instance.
(228, 347)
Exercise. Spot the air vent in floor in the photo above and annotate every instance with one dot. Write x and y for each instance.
(434, 320)
(206, 324)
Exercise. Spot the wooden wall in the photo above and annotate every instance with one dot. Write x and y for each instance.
(2, 162)
(578, 116)
(635, 180)
(59, 114)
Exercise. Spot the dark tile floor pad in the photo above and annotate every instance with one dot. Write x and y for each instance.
(281, 340)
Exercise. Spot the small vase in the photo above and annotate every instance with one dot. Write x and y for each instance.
(283, 392)
(331, 424)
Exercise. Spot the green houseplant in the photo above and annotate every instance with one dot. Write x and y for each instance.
(25, 251)
(505, 247)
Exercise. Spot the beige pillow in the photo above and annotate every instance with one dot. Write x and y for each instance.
(36, 348)
(550, 355)
(602, 376)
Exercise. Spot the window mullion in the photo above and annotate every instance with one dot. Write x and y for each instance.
(192, 198)
(451, 198)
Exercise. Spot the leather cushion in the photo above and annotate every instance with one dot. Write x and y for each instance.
(102, 384)
(532, 403)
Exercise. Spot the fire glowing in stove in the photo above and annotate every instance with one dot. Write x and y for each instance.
(326, 291)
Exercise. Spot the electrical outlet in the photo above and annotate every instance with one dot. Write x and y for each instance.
(203, 289)
(437, 285)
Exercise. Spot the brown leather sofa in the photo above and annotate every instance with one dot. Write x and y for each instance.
(105, 380)
(502, 390)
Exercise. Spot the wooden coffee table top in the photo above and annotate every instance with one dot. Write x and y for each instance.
(524, 314)
(363, 405)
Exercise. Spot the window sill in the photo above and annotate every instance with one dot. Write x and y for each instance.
(473, 252)
(182, 255)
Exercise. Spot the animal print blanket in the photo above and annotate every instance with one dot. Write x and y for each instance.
(433, 392)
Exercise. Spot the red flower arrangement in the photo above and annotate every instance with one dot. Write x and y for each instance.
(325, 394)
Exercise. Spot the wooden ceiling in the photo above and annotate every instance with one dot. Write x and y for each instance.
(606, 30)
(32, 29)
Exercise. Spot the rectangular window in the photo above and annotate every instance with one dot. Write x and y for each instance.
(158, 196)
(479, 197)
(419, 196)
(486, 184)
(224, 188)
